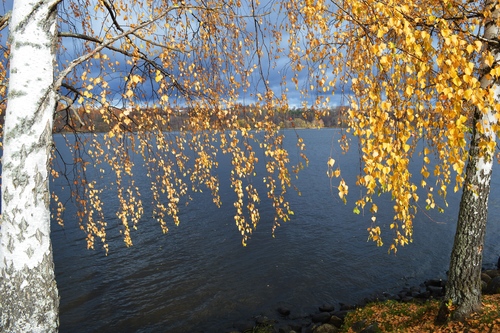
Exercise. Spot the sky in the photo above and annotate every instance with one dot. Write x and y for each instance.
(274, 77)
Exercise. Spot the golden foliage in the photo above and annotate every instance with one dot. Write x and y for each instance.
(417, 69)
(137, 71)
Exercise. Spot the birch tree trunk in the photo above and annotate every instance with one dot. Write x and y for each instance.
(28, 291)
(463, 288)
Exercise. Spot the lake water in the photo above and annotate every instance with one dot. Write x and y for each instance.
(199, 278)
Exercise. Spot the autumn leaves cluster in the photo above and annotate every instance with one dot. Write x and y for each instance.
(413, 74)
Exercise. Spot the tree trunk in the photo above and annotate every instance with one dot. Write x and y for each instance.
(28, 291)
(463, 289)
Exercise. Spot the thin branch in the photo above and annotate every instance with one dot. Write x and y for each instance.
(71, 88)
(4, 20)
(113, 14)
(140, 55)
(54, 3)
(106, 43)
(69, 103)
(110, 47)
(158, 44)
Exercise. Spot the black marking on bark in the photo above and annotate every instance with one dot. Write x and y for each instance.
(16, 93)
(39, 236)
(15, 211)
(10, 244)
(19, 179)
(7, 197)
(23, 154)
(46, 198)
(29, 251)
(29, 18)
(39, 188)
(23, 226)
(30, 44)
(30, 124)
(29, 295)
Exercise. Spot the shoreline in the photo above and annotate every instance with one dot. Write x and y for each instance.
(329, 318)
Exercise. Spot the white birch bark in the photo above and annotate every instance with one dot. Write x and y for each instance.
(463, 289)
(28, 292)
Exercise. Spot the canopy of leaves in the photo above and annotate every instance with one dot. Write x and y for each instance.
(414, 71)
(130, 68)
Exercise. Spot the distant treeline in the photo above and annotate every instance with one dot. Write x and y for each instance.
(103, 120)
(302, 118)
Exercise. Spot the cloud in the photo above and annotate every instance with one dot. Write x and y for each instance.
(275, 72)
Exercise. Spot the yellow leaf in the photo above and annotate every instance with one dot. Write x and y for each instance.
(478, 45)
(468, 94)
(136, 78)
(495, 71)
(461, 120)
(409, 90)
(158, 76)
(489, 60)
(343, 189)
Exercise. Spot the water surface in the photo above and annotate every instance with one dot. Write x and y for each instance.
(198, 277)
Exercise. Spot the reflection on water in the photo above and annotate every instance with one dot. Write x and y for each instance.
(198, 277)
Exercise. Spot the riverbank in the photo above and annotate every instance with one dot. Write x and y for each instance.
(416, 303)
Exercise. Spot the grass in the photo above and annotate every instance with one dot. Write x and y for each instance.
(393, 316)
